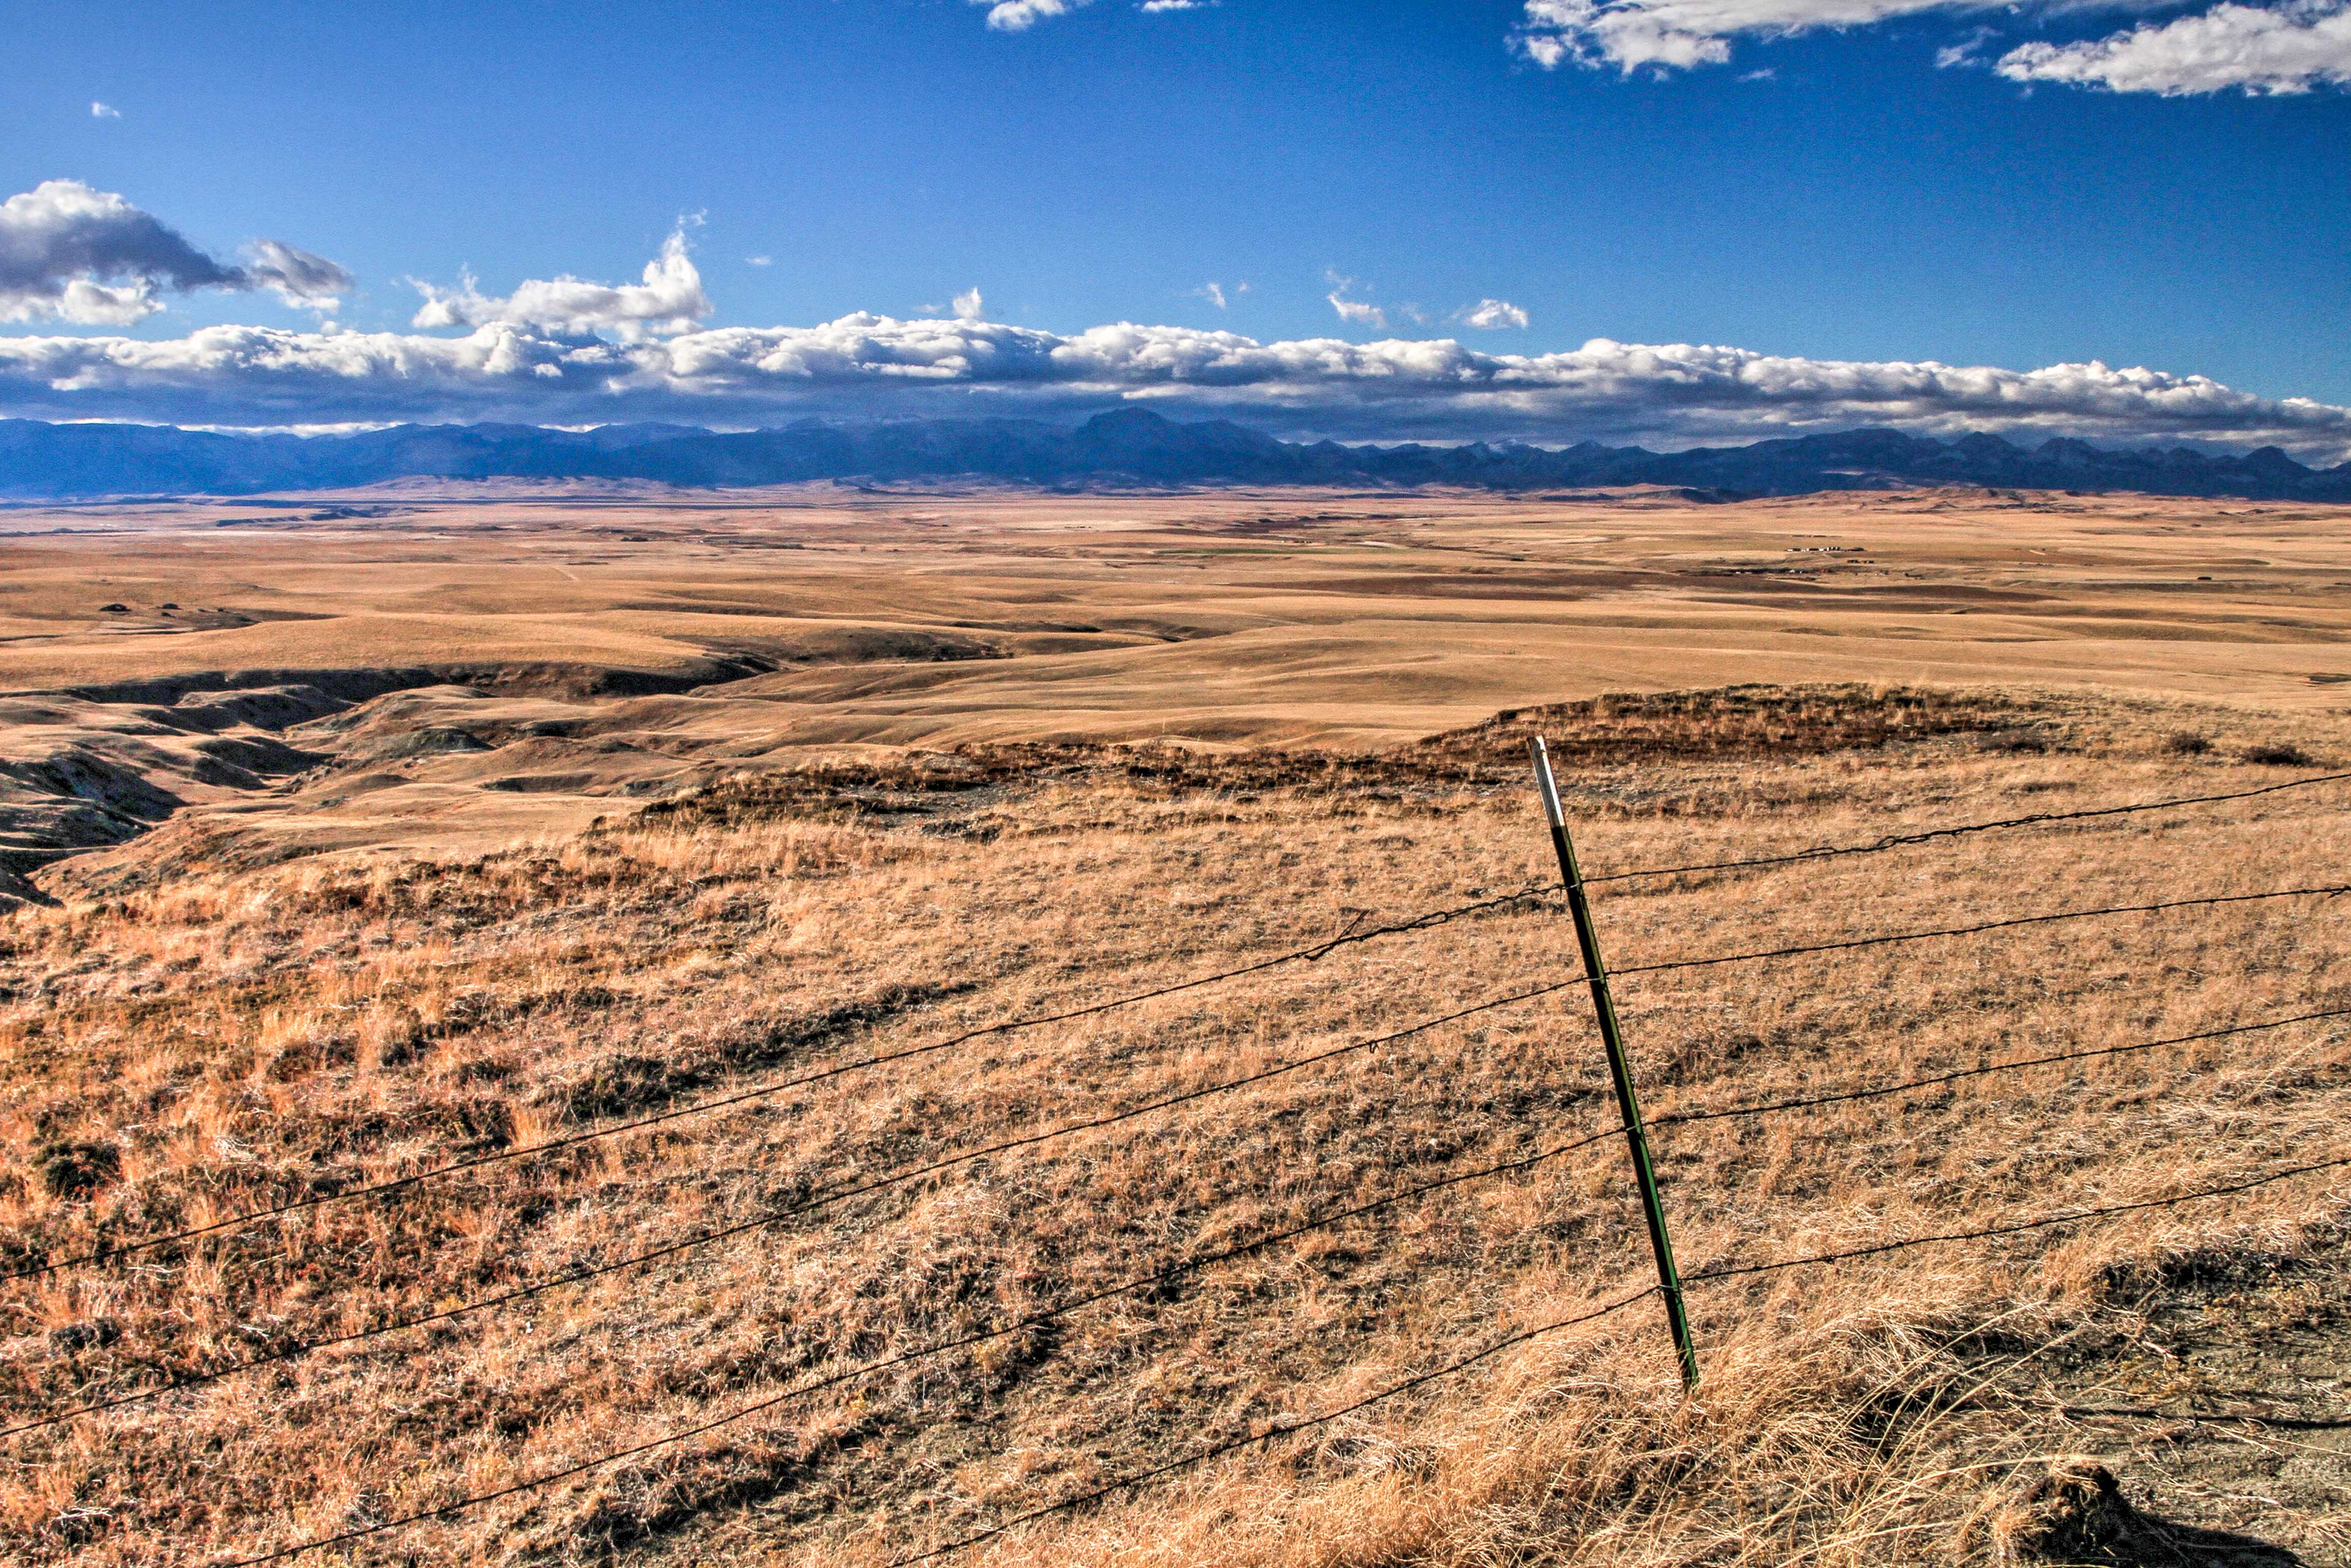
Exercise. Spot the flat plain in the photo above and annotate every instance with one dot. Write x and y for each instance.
(360, 836)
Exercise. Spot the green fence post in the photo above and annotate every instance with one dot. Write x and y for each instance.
(1628, 1103)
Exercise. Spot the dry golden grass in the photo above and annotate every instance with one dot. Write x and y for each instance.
(233, 1038)
(1035, 617)
(533, 662)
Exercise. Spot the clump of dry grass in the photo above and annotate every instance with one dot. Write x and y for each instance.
(247, 1037)
(2075, 1513)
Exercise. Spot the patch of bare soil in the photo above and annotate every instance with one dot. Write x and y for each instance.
(2220, 1396)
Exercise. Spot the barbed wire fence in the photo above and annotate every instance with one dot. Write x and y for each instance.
(1631, 1125)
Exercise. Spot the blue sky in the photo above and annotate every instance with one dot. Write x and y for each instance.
(1721, 173)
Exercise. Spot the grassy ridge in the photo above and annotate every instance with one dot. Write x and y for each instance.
(205, 1045)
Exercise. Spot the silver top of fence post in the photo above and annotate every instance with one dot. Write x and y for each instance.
(1544, 783)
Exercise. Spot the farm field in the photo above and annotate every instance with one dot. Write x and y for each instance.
(362, 836)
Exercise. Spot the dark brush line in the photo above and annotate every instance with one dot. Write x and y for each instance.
(760, 1222)
(1280, 1429)
(2329, 892)
(1807, 1102)
(1304, 954)
(1704, 1276)
(818, 1386)
(1899, 841)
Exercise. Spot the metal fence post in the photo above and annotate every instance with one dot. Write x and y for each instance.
(1628, 1103)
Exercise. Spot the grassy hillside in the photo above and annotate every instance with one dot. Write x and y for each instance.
(185, 1044)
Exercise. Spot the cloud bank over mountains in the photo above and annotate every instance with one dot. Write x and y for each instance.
(867, 365)
(567, 351)
(69, 253)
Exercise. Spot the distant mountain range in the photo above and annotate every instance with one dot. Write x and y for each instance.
(1129, 448)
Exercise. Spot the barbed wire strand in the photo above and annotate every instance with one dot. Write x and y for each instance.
(1807, 1102)
(1211, 1453)
(1312, 954)
(1189, 1265)
(1527, 1162)
(1207, 1454)
(1796, 1103)
(763, 1221)
(1322, 1221)
(1705, 1275)
(1280, 1429)
(1325, 1220)
(1899, 841)
(818, 1386)
(1618, 971)
(378, 1189)
(839, 1194)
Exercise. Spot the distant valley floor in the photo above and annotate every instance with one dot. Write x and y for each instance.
(421, 670)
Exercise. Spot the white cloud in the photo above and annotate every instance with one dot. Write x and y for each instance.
(1214, 293)
(103, 111)
(1968, 51)
(1356, 312)
(2288, 48)
(303, 280)
(760, 260)
(1019, 15)
(70, 253)
(85, 304)
(1680, 35)
(670, 300)
(1493, 316)
(866, 365)
(969, 305)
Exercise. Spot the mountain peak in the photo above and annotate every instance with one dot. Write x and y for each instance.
(1127, 419)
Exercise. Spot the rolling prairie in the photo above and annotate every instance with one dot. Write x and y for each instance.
(358, 836)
